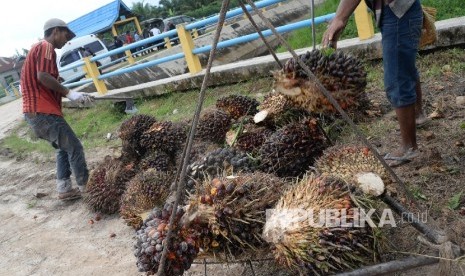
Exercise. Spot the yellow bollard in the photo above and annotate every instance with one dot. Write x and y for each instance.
(187, 44)
(364, 22)
(91, 70)
(131, 59)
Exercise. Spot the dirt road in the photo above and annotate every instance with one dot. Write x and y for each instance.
(39, 234)
(42, 236)
(10, 114)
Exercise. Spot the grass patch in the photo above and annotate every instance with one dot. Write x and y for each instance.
(22, 141)
(430, 68)
(302, 38)
(447, 8)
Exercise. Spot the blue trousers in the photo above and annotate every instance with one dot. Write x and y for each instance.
(400, 39)
(69, 151)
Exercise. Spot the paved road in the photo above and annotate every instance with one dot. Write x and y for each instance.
(10, 115)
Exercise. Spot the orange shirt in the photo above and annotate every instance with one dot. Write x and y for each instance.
(36, 97)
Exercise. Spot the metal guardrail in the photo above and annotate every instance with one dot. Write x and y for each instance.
(97, 78)
(161, 37)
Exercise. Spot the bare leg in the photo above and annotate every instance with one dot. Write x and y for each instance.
(406, 119)
(420, 117)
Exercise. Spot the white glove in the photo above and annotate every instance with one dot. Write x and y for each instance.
(74, 96)
(79, 97)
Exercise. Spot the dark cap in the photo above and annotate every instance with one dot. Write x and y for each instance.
(55, 22)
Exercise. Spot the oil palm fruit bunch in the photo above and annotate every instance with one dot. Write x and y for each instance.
(237, 105)
(304, 240)
(107, 184)
(229, 212)
(277, 110)
(342, 75)
(213, 125)
(158, 160)
(252, 138)
(130, 132)
(353, 163)
(151, 238)
(164, 136)
(292, 149)
(146, 190)
(221, 161)
(198, 151)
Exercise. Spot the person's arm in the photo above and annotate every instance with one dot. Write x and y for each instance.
(52, 83)
(337, 25)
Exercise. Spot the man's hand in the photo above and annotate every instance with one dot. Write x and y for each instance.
(79, 97)
(331, 36)
(337, 25)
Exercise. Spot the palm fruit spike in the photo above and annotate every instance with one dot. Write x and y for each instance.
(146, 190)
(106, 184)
(164, 136)
(158, 160)
(342, 75)
(251, 140)
(213, 125)
(237, 106)
(273, 103)
(349, 163)
(229, 212)
(151, 238)
(220, 161)
(311, 245)
(130, 132)
(292, 149)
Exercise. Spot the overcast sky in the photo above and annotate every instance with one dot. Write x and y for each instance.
(22, 21)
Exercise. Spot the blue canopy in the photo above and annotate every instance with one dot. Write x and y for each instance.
(100, 19)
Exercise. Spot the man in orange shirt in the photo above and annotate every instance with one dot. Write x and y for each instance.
(42, 94)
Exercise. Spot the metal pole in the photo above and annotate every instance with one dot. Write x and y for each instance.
(259, 32)
(431, 234)
(251, 267)
(313, 25)
(390, 267)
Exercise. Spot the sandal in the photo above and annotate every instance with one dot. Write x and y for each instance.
(422, 122)
(71, 195)
(396, 161)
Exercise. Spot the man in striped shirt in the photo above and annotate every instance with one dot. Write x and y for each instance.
(42, 94)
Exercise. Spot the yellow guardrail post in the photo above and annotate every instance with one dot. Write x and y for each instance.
(129, 56)
(91, 70)
(187, 44)
(364, 21)
(15, 90)
(168, 43)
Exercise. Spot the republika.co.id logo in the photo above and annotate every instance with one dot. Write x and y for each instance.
(353, 217)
